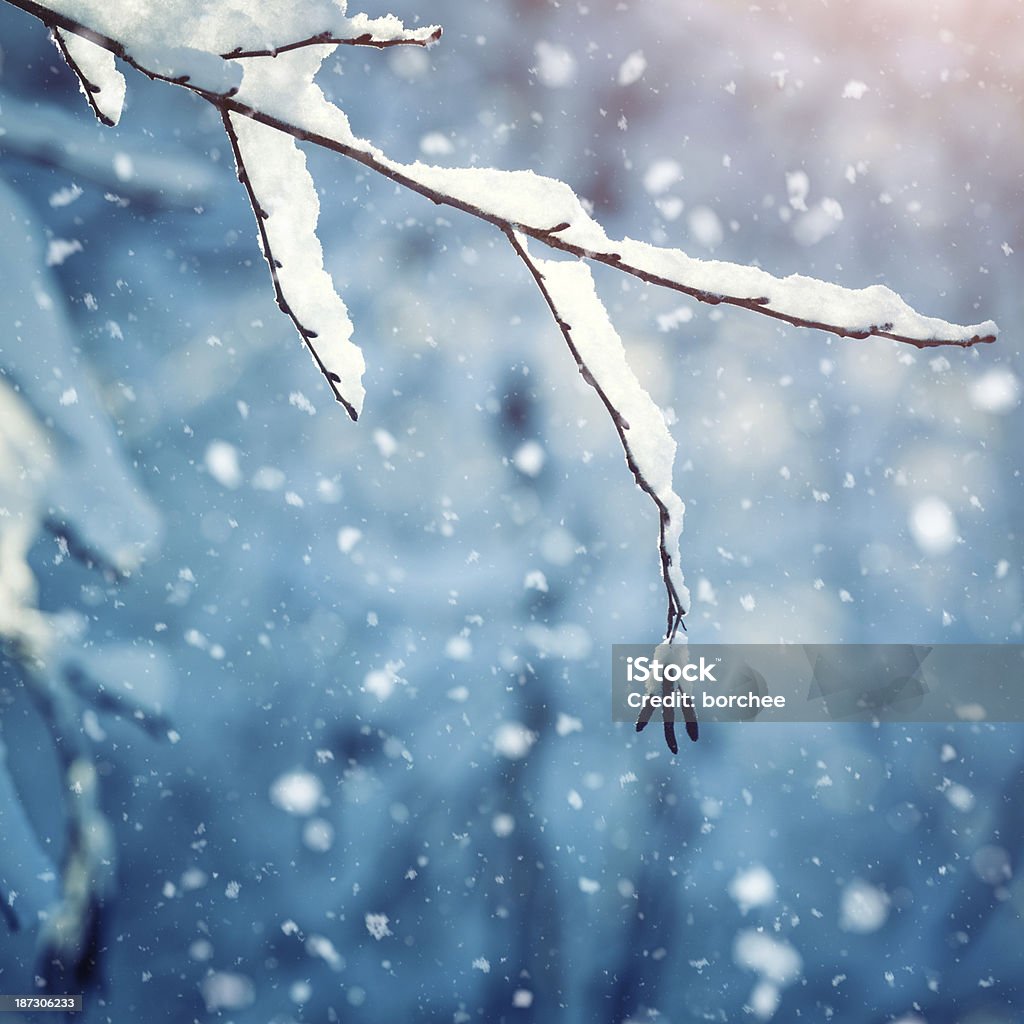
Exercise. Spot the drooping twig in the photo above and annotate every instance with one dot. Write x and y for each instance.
(665, 689)
(307, 334)
(669, 519)
(90, 89)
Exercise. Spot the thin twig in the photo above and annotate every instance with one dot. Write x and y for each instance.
(88, 88)
(326, 39)
(305, 333)
(676, 611)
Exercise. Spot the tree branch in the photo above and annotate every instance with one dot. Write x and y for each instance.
(307, 334)
(283, 97)
(615, 372)
(89, 88)
(873, 311)
(665, 267)
(412, 37)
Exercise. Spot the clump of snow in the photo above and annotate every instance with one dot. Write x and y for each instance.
(436, 144)
(503, 825)
(933, 526)
(377, 926)
(481, 963)
(670, 321)
(321, 947)
(753, 888)
(997, 391)
(513, 740)
(223, 990)
(66, 196)
(458, 648)
(348, 538)
(774, 959)
(536, 580)
(302, 403)
(565, 724)
(589, 885)
(556, 66)
(297, 792)
(385, 442)
(863, 908)
(960, 797)
(705, 227)
(222, 464)
(58, 250)
(529, 458)
(124, 167)
(670, 207)
(522, 999)
(381, 682)
(318, 835)
(661, 176)
(797, 187)
(818, 223)
(854, 89)
(632, 68)
(764, 1000)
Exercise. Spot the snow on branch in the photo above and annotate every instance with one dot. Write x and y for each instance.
(102, 84)
(273, 170)
(568, 289)
(551, 212)
(376, 32)
(278, 104)
(541, 207)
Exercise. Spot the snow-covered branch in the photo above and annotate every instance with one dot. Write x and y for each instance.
(102, 84)
(379, 33)
(543, 208)
(268, 106)
(568, 290)
(284, 200)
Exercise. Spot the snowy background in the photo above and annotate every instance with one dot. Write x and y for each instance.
(393, 790)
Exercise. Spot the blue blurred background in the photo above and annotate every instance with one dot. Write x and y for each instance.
(391, 789)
